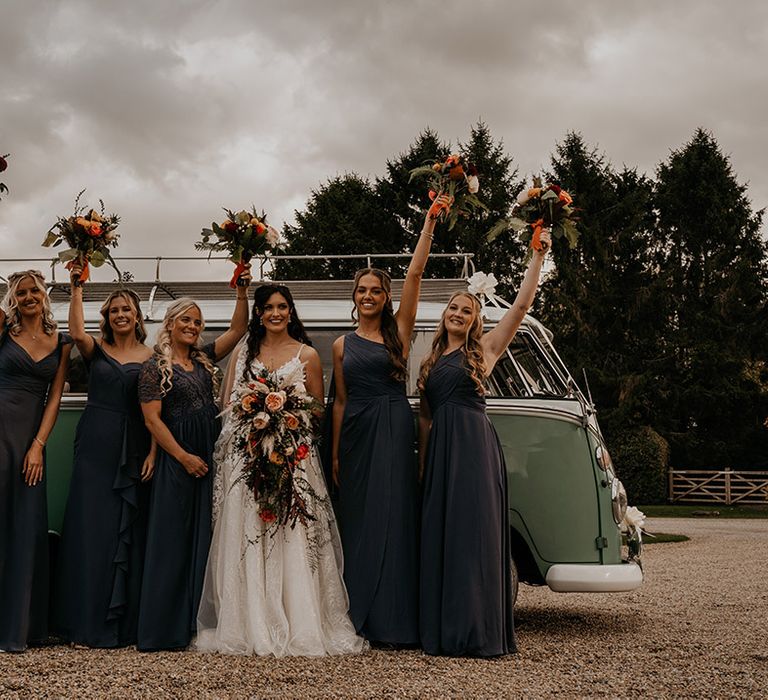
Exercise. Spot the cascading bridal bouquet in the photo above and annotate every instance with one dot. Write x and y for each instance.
(537, 208)
(276, 420)
(89, 237)
(456, 178)
(243, 235)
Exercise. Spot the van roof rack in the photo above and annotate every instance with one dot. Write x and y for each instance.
(438, 290)
(431, 289)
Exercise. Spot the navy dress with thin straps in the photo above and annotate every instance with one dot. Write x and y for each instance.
(24, 386)
(466, 584)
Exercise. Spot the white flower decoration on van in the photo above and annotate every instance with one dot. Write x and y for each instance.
(481, 284)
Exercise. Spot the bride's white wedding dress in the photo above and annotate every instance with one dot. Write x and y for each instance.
(280, 594)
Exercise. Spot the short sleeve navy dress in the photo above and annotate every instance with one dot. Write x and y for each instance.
(466, 585)
(378, 502)
(101, 553)
(179, 528)
(24, 387)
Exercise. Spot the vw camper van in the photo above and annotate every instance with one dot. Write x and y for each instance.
(565, 500)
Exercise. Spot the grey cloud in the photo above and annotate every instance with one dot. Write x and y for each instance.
(170, 109)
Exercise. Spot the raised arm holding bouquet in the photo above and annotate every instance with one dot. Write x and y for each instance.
(243, 235)
(458, 180)
(89, 237)
(540, 207)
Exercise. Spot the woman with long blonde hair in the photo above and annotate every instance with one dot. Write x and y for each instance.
(33, 367)
(465, 589)
(177, 389)
(101, 554)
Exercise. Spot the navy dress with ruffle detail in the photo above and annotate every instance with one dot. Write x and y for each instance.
(101, 554)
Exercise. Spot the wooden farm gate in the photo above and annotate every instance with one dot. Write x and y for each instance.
(726, 487)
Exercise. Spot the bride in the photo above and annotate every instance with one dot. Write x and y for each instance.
(273, 585)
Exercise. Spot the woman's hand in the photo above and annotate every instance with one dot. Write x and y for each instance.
(443, 202)
(244, 278)
(148, 468)
(33, 465)
(75, 270)
(545, 240)
(335, 471)
(193, 465)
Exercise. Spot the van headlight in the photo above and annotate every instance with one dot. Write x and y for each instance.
(604, 460)
(618, 500)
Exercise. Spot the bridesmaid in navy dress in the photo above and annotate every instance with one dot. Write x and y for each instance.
(33, 366)
(176, 389)
(466, 585)
(102, 545)
(373, 458)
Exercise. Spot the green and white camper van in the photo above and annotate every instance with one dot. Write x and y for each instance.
(565, 500)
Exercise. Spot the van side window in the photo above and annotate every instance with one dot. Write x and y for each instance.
(526, 369)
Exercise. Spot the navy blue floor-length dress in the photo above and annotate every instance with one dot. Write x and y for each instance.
(24, 386)
(466, 584)
(378, 503)
(101, 554)
(179, 528)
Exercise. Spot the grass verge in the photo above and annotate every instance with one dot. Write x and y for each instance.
(705, 510)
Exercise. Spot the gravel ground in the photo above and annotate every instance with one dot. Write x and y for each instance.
(696, 628)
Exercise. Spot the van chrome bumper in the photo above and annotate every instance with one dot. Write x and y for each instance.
(594, 578)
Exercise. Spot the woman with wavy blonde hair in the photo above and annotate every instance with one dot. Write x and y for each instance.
(177, 389)
(33, 366)
(465, 587)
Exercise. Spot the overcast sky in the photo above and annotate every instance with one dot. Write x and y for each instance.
(170, 109)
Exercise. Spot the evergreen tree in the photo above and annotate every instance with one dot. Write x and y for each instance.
(601, 300)
(714, 263)
(606, 306)
(498, 186)
(349, 215)
(345, 216)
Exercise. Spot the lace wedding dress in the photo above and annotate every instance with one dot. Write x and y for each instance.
(264, 593)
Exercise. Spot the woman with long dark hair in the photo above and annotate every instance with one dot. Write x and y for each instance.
(177, 390)
(33, 367)
(373, 457)
(273, 587)
(101, 555)
(466, 586)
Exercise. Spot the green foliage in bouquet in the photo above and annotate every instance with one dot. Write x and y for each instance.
(457, 179)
